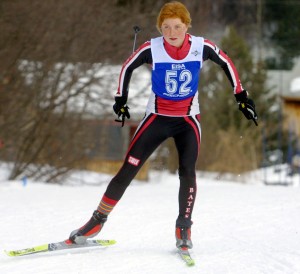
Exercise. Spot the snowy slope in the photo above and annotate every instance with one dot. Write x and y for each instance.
(238, 228)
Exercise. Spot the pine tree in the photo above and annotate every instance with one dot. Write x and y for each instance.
(282, 28)
(231, 143)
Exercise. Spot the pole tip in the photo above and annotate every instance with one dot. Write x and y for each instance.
(136, 29)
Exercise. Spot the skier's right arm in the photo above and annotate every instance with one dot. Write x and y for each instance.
(141, 56)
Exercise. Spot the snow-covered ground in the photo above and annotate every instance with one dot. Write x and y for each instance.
(238, 228)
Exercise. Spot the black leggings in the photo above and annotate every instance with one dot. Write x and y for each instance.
(152, 131)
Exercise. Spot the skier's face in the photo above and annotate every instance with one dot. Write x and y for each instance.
(173, 30)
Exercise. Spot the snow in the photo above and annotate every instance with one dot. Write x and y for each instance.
(238, 228)
(295, 85)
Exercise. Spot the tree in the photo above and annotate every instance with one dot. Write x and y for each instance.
(52, 53)
(44, 127)
(282, 27)
(230, 142)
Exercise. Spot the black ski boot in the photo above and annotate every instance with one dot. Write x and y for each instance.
(183, 237)
(89, 230)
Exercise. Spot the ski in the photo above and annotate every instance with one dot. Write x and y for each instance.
(67, 244)
(185, 255)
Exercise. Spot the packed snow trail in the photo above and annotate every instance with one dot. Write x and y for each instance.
(238, 228)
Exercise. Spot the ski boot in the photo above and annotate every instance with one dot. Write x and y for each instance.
(183, 237)
(89, 230)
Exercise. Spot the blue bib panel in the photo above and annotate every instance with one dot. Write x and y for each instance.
(176, 79)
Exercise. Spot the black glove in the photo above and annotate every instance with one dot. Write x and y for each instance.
(121, 109)
(247, 106)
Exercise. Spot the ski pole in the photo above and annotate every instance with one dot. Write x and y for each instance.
(136, 29)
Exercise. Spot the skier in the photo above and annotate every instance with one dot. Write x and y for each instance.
(173, 111)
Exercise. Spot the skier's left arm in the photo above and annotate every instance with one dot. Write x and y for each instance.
(246, 105)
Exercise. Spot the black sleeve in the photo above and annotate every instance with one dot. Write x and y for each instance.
(141, 56)
(214, 55)
(212, 52)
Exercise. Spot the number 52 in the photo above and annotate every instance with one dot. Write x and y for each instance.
(185, 77)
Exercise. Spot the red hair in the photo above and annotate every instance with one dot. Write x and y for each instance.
(173, 9)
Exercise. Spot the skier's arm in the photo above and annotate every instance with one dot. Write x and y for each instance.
(246, 105)
(141, 56)
(212, 52)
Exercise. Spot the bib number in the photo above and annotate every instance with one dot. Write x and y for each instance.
(173, 82)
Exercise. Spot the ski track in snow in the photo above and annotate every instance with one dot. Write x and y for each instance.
(238, 228)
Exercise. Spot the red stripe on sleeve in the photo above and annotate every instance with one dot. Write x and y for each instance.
(234, 73)
(127, 63)
(210, 43)
(231, 67)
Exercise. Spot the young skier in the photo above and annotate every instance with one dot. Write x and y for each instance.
(173, 111)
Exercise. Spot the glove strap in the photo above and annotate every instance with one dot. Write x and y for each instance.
(122, 115)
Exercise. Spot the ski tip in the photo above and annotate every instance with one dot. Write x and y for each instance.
(8, 253)
(191, 263)
(13, 253)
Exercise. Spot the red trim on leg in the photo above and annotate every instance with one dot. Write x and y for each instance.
(109, 201)
(195, 129)
(141, 130)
